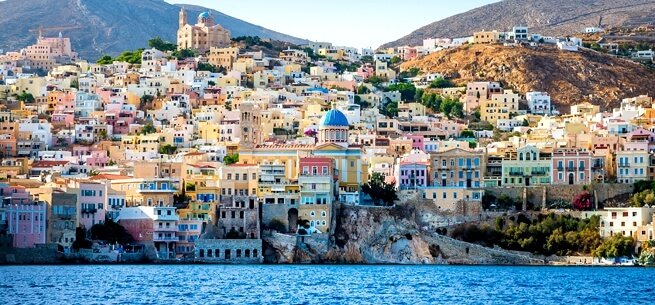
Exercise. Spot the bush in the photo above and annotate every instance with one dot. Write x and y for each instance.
(615, 246)
(277, 225)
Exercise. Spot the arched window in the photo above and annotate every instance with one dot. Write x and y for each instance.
(209, 253)
(218, 253)
(247, 253)
(201, 253)
(254, 253)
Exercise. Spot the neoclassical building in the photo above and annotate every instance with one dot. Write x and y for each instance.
(203, 35)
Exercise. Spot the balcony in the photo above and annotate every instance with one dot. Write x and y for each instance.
(538, 173)
(173, 217)
(516, 174)
(581, 168)
(89, 210)
(571, 168)
(166, 229)
(560, 168)
(165, 238)
(596, 167)
(624, 164)
(156, 190)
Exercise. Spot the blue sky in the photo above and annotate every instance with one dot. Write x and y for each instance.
(357, 23)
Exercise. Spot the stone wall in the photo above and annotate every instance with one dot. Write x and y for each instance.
(237, 251)
(38, 255)
(535, 194)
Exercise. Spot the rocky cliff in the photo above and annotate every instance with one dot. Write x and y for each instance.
(384, 236)
(569, 77)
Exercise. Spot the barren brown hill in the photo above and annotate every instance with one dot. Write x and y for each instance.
(569, 77)
(547, 17)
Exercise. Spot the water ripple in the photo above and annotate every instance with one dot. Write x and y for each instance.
(208, 284)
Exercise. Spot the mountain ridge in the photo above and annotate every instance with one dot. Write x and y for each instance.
(547, 17)
(109, 27)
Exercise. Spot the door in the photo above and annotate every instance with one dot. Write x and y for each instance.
(571, 179)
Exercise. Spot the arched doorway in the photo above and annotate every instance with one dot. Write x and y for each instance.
(292, 218)
(571, 179)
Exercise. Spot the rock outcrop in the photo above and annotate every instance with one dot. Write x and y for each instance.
(366, 235)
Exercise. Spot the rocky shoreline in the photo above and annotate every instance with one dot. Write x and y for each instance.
(363, 235)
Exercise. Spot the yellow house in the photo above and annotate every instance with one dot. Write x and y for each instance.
(408, 110)
(487, 37)
(499, 107)
(141, 143)
(141, 191)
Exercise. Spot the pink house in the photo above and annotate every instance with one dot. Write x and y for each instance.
(97, 158)
(366, 71)
(138, 221)
(571, 166)
(91, 203)
(27, 224)
(413, 170)
(12, 195)
(417, 142)
(63, 118)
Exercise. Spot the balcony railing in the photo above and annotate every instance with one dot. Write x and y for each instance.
(516, 174)
(624, 164)
(165, 238)
(89, 210)
(581, 168)
(538, 173)
(571, 169)
(560, 168)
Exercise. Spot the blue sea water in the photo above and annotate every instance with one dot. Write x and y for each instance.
(325, 284)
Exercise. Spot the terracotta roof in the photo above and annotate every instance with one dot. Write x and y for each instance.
(285, 146)
(195, 153)
(48, 163)
(109, 177)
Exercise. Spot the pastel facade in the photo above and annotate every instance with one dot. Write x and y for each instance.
(27, 224)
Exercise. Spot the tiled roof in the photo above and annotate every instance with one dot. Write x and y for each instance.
(48, 163)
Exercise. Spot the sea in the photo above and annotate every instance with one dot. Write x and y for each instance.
(324, 284)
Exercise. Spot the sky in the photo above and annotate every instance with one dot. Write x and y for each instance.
(355, 23)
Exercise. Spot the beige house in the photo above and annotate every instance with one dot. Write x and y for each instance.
(201, 36)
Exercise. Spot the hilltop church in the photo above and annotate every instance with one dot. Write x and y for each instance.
(203, 35)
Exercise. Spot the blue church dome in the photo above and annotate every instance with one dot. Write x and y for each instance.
(204, 15)
(335, 118)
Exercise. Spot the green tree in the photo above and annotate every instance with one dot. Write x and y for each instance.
(26, 97)
(526, 123)
(467, 134)
(380, 191)
(361, 89)
(111, 232)
(184, 53)
(105, 60)
(407, 91)
(131, 57)
(391, 110)
(231, 159)
(80, 239)
(211, 68)
(441, 83)
(376, 80)
(395, 60)
(148, 128)
(161, 45)
(167, 149)
(615, 246)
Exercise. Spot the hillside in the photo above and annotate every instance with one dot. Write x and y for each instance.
(548, 17)
(570, 77)
(108, 27)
